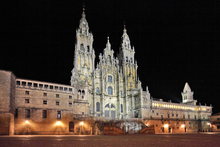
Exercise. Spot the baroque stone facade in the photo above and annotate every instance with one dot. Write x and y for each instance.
(102, 98)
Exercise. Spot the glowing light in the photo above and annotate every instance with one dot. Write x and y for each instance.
(27, 122)
(58, 123)
(183, 126)
(166, 125)
(209, 124)
(147, 125)
(81, 123)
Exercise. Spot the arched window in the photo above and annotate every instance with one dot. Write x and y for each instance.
(110, 90)
(79, 91)
(97, 90)
(131, 60)
(81, 47)
(110, 79)
(126, 59)
(83, 92)
(98, 107)
(121, 108)
(88, 48)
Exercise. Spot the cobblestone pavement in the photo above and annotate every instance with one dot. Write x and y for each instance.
(186, 140)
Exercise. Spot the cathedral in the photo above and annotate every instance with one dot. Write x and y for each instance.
(113, 87)
(102, 98)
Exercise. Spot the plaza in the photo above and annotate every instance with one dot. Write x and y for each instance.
(191, 140)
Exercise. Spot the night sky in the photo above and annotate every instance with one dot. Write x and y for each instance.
(175, 41)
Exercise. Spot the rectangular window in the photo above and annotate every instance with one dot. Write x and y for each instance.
(61, 88)
(41, 85)
(56, 87)
(176, 115)
(45, 94)
(57, 95)
(58, 114)
(70, 97)
(27, 113)
(161, 116)
(70, 89)
(44, 114)
(29, 84)
(57, 103)
(27, 101)
(70, 103)
(35, 85)
(27, 92)
(172, 115)
(188, 116)
(16, 113)
(18, 82)
(51, 87)
(168, 115)
(65, 89)
(45, 102)
(45, 86)
(23, 83)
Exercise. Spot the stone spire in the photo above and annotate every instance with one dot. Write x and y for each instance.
(125, 40)
(83, 24)
(186, 88)
(108, 45)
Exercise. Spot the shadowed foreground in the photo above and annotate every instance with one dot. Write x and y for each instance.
(112, 141)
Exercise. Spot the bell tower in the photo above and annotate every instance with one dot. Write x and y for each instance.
(127, 61)
(84, 56)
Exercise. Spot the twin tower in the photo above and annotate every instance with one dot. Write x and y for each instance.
(111, 81)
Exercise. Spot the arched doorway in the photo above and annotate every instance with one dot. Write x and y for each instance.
(110, 111)
(71, 126)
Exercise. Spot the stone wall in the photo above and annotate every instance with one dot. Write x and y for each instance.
(7, 103)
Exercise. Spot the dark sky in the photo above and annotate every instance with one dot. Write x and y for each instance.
(175, 41)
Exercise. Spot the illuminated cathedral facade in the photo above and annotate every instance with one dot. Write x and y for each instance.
(102, 98)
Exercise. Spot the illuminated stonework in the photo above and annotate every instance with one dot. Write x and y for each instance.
(110, 90)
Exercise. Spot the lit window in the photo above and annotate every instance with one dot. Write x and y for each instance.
(110, 90)
(58, 114)
(27, 101)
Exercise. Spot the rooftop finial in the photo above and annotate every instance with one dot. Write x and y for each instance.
(125, 28)
(108, 45)
(83, 13)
